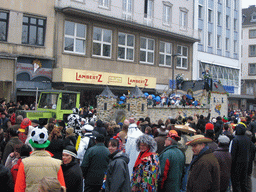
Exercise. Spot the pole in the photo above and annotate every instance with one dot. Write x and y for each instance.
(173, 66)
(36, 98)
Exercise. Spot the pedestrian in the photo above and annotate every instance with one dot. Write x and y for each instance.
(130, 147)
(204, 171)
(146, 168)
(100, 128)
(209, 133)
(224, 159)
(39, 164)
(70, 138)
(172, 162)
(160, 139)
(117, 177)
(72, 172)
(74, 120)
(240, 151)
(95, 164)
(6, 182)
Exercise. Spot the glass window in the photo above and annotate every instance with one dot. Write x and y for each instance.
(148, 9)
(102, 42)
(218, 41)
(126, 46)
(165, 53)
(33, 30)
(200, 11)
(227, 3)
(127, 9)
(68, 101)
(209, 39)
(48, 101)
(147, 47)
(219, 18)
(183, 19)
(252, 50)
(227, 44)
(3, 25)
(235, 46)
(252, 33)
(200, 34)
(209, 15)
(235, 24)
(75, 37)
(167, 15)
(182, 60)
(227, 21)
(252, 69)
(104, 3)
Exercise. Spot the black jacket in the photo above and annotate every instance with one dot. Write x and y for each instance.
(73, 176)
(252, 128)
(6, 182)
(118, 178)
(218, 128)
(56, 147)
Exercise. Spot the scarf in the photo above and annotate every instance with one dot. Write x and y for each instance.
(141, 157)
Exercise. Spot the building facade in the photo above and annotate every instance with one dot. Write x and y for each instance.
(218, 51)
(122, 43)
(26, 48)
(249, 56)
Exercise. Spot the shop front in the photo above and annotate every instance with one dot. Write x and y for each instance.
(92, 83)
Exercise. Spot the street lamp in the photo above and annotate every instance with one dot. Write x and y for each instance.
(174, 55)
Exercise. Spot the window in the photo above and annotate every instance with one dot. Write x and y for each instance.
(148, 12)
(127, 9)
(252, 33)
(252, 50)
(227, 3)
(235, 46)
(235, 24)
(227, 21)
(200, 11)
(33, 31)
(183, 19)
(147, 47)
(167, 15)
(104, 3)
(235, 4)
(219, 1)
(102, 39)
(182, 60)
(126, 46)
(218, 42)
(219, 18)
(227, 44)
(253, 17)
(75, 37)
(209, 39)
(252, 68)
(3, 26)
(165, 54)
(200, 34)
(209, 15)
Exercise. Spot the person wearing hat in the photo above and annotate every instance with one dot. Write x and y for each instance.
(218, 126)
(95, 164)
(72, 172)
(24, 129)
(70, 137)
(172, 161)
(204, 170)
(160, 139)
(74, 120)
(240, 152)
(224, 159)
(209, 133)
(86, 142)
(38, 165)
(186, 132)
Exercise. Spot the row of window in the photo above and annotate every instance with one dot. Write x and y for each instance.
(219, 18)
(228, 3)
(33, 29)
(75, 42)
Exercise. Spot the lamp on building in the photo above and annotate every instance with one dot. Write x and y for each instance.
(174, 55)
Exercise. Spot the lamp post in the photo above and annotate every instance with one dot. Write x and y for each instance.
(174, 55)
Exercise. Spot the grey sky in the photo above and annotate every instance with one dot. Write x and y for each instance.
(246, 3)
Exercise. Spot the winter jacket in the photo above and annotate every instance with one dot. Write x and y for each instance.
(224, 159)
(218, 127)
(33, 168)
(73, 176)
(5, 179)
(160, 140)
(70, 140)
(204, 174)
(118, 179)
(95, 164)
(172, 161)
(13, 143)
(56, 147)
(252, 128)
(83, 146)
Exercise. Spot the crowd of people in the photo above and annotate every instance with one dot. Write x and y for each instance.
(193, 154)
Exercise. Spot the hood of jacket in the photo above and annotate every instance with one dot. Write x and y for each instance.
(121, 154)
(240, 129)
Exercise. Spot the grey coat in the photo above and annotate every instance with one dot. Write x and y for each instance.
(118, 174)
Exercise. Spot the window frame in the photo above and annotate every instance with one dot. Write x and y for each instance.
(227, 22)
(252, 30)
(126, 47)
(28, 24)
(125, 7)
(210, 18)
(6, 23)
(219, 18)
(218, 41)
(235, 24)
(75, 38)
(101, 42)
(103, 4)
(183, 19)
(182, 57)
(200, 11)
(147, 51)
(227, 44)
(165, 53)
(249, 69)
(165, 16)
(235, 46)
(250, 55)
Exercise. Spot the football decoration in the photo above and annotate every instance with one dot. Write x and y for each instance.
(39, 135)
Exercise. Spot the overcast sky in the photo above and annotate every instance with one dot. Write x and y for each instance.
(246, 3)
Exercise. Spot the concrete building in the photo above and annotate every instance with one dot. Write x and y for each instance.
(26, 48)
(219, 25)
(249, 58)
(122, 43)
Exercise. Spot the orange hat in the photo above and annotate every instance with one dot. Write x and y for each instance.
(174, 135)
(25, 123)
